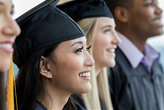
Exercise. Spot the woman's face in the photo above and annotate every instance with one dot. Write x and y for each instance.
(8, 32)
(71, 67)
(105, 42)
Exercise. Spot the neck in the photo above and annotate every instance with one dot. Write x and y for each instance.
(97, 70)
(139, 40)
(53, 99)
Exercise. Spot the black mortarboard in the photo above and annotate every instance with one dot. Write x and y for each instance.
(42, 26)
(80, 9)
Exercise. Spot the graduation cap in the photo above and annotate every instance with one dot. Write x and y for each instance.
(42, 26)
(80, 9)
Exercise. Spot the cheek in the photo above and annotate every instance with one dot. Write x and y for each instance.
(68, 73)
(145, 16)
(100, 43)
(71, 64)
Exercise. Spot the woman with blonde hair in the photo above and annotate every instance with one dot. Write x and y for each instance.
(97, 22)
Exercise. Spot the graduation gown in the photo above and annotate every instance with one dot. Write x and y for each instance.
(76, 98)
(80, 104)
(38, 106)
(136, 89)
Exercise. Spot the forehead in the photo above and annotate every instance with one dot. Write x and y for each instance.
(102, 21)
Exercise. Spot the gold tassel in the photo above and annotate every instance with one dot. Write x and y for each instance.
(10, 91)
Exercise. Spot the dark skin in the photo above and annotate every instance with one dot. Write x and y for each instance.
(139, 22)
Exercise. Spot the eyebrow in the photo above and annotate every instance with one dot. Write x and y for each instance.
(106, 26)
(148, 0)
(78, 42)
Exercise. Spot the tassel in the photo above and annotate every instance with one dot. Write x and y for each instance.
(61, 1)
(10, 91)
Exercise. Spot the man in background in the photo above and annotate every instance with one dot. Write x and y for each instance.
(137, 80)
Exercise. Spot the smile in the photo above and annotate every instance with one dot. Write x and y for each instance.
(111, 50)
(87, 74)
(158, 22)
(7, 46)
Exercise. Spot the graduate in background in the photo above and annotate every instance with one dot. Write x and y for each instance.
(51, 54)
(96, 20)
(137, 80)
(8, 32)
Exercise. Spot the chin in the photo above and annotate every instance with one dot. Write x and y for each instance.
(158, 32)
(4, 66)
(85, 90)
(111, 63)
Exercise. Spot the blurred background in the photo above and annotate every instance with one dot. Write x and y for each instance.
(22, 6)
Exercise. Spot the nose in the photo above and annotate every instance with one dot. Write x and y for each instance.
(11, 28)
(116, 40)
(158, 10)
(89, 61)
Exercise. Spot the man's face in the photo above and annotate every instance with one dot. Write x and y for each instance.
(145, 18)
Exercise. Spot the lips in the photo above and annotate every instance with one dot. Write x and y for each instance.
(6, 47)
(158, 22)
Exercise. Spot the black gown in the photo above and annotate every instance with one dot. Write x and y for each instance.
(38, 106)
(136, 89)
(76, 99)
(80, 104)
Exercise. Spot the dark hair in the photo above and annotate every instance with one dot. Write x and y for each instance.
(3, 96)
(28, 83)
(112, 4)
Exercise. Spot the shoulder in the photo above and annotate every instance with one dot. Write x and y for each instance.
(79, 102)
(38, 106)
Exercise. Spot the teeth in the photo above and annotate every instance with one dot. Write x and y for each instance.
(158, 21)
(85, 74)
(112, 50)
(6, 45)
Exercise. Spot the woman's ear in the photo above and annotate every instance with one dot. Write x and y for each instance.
(45, 68)
(121, 14)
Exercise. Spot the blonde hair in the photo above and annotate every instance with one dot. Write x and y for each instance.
(100, 88)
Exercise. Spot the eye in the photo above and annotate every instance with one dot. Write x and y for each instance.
(12, 12)
(106, 30)
(79, 50)
(148, 4)
(88, 47)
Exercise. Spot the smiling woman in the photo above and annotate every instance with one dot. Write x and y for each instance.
(51, 54)
(8, 32)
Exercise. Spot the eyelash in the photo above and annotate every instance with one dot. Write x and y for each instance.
(80, 49)
(12, 13)
(89, 47)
